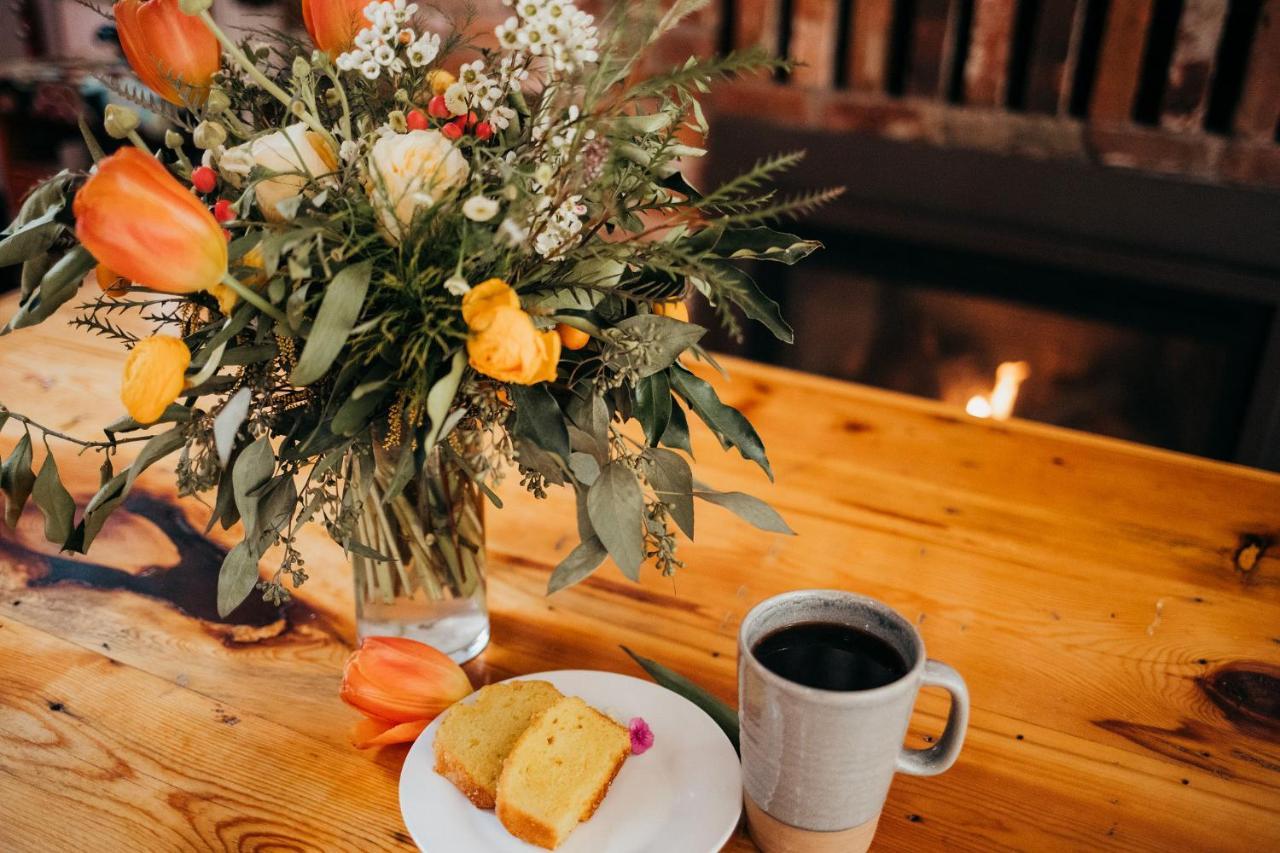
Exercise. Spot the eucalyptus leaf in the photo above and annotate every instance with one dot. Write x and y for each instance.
(653, 406)
(676, 435)
(539, 419)
(54, 500)
(760, 243)
(277, 504)
(584, 467)
(531, 456)
(578, 565)
(57, 286)
(615, 505)
(750, 509)
(672, 480)
(339, 309)
(227, 423)
(724, 715)
(353, 415)
(440, 398)
(591, 415)
(658, 342)
(253, 468)
(742, 290)
(726, 422)
(237, 577)
(32, 239)
(18, 479)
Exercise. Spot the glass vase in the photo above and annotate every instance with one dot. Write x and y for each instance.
(421, 571)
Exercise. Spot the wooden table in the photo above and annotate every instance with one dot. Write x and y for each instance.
(1115, 609)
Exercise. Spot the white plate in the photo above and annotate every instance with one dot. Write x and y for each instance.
(682, 796)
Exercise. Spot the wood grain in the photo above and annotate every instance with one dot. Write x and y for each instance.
(1120, 63)
(1258, 113)
(1115, 609)
(872, 22)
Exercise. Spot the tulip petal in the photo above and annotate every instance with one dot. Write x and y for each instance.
(133, 216)
(401, 680)
(173, 53)
(369, 733)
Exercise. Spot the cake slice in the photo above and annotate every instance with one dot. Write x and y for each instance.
(558, 771)
(476, 736)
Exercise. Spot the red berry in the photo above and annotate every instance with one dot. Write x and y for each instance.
(204, 179)
(453, 130)
(436, 107)
(416, 119)
(484, 130)
(472, 118)
(222, 211)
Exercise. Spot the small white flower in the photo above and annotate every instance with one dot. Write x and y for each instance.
(512, 233)
(479, 208)
(457, 285)
(543, 174)
(455, 98)
(370, 69)
(384, 55)
(349, 150)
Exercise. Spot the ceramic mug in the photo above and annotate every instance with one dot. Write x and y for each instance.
(817, 764)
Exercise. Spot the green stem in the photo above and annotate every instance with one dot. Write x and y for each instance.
(263, 80)
(255, 299)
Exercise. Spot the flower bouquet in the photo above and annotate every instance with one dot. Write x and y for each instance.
(374, 277)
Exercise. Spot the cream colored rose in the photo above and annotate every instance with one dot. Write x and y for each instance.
(298, 153)
(409, 172)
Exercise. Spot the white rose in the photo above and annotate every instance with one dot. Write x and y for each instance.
(299, 154)
(411, 171)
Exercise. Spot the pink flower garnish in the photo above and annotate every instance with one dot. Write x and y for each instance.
(641, 736)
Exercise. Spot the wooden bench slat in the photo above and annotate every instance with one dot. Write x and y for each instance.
(986, 70)
(1259, 109)
(1120, 62)
(815, 29)
(755, 23)
(869, 54)
(1186, 96)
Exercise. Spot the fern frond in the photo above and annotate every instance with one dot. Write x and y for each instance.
(757, 176)
(790, 207)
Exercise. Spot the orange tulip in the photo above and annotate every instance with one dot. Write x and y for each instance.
(400, 686)
(134, 217)
(673, 308)
(173, 53)
(333, 24)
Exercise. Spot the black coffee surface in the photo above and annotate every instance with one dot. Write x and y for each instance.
(830, 656)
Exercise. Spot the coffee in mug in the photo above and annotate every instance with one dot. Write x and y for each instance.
(827, 681)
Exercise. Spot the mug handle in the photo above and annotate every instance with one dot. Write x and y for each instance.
(939, 757)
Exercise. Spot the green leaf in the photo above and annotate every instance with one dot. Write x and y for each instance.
(339, 310)
(578, 565)
(353, 415)
(530, 455)
(726, 422)
(677, 432)
(591, 415)
(585, 468)
(659, 342)
(440, 398)
(18, 479)
(253, 468)
(54, 501)
(158, 447)
(226, 424)
(615, 505)
(764, 244)
(237, 577)
(672, 480)
(57, 285)
(724, 715)
(750, 509)
(277, 505)
(539, 419)
(653, 406)
(32, 239)
(112, 485)
(741, 289)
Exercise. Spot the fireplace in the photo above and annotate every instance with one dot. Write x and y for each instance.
(1126, 305)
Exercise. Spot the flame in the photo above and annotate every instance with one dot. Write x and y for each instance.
(999, 403)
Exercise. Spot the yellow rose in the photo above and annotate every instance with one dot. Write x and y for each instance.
(439, 80)
(154, 376)
(409, 172)
(486, 296)
(674, 308)
(251, 260)
(505, 345)
(300, 152)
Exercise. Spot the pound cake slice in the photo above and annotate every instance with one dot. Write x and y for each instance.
(559, 771)
(475, 737)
